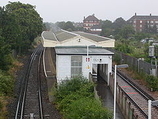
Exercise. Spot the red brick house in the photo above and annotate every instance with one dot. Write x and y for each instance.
(92, 24)
(141, 22)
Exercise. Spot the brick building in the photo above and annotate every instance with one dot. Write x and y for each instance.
(142, 23)
(92, 24)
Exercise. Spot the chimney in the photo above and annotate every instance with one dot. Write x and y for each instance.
(150, 14)
(135, 14)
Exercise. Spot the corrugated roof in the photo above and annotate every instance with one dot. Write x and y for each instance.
(64, 35)
(49, 35)
(82, 51)
(93, 37)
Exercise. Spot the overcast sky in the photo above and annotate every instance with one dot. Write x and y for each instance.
(75, 10)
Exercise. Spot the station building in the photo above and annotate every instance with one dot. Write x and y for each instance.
(79, 53)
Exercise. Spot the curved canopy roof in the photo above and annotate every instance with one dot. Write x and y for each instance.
(77, 38)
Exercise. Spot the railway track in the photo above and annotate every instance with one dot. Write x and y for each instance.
(29, 105)
(138, 97)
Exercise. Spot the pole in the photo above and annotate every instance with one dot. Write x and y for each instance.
(149, 109)
(115, 93)
(87, 52)
(156, 66)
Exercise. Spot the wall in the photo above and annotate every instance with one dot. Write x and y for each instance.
(63, 67)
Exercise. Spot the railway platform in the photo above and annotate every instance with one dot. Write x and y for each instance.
(49, 70)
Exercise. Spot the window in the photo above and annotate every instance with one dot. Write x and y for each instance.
(140, 21)
(152, 26)
(76, 65)
(140, 25)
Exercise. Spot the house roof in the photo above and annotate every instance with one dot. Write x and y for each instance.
(91, 18)
(141, 17)
(80, 50)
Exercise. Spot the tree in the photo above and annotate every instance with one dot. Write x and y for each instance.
(66, 25)
(5, 49)
(118, 24)
(106, 28)
(27, 20)
(127, 31)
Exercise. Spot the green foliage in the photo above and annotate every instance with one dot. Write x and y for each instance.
(1, 105)
(5, 58)
(123, 46)
(6, 84)
(77, 94)
(66, 25)
(106, 28)
(126, 31)
(73, 85)
(152, 82)
(25, 25)
(117, 58)
(87, 109)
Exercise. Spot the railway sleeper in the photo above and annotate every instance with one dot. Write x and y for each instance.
(32, 116)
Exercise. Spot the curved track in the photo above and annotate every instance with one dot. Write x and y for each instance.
(29, 104)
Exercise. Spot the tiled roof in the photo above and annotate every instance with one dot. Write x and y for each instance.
(91, 18)
(141, 17)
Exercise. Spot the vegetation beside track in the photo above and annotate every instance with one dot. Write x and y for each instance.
(75, 100)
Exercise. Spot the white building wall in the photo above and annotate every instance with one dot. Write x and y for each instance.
(63, 65)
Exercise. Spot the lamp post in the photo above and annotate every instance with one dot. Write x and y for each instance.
(117, 66)
(151, 103)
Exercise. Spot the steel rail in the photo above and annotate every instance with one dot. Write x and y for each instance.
(21, 100)
(134, 103)
(39, 87)
(138, 89)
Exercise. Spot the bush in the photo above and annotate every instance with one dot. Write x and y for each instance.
(74, 85)
(6, 84)
(1, 105)
(152, 81)
(86, 108)
(77, 94)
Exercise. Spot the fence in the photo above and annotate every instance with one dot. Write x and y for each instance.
(137, 64)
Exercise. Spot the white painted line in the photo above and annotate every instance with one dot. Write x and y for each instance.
(44, 65)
